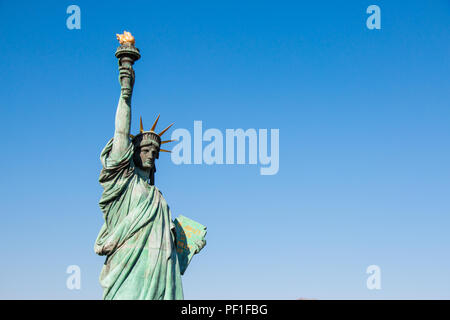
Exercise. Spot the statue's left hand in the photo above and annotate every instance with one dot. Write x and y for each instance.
(200, 244)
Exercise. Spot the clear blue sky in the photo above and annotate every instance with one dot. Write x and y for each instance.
(364, 142)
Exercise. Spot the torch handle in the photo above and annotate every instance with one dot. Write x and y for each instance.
(126, 76)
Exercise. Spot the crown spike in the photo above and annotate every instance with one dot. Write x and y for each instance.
(141, 126)
(156, 121)
(164, 150)
(162, 132)
(167, 141)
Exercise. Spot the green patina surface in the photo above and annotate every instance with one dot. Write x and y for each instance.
(138, 236)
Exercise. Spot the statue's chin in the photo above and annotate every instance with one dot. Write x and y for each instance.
(147, 167)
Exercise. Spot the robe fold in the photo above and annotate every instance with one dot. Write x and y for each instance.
(138, 236)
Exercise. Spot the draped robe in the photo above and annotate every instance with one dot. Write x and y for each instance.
(138, 236)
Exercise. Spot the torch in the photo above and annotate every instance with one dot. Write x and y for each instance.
(127, 54)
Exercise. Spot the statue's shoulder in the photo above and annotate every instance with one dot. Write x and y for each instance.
(160, 194)
(157, 190)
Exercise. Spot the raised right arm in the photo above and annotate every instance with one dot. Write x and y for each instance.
(123, 113)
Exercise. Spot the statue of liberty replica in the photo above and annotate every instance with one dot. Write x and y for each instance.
(144, 258)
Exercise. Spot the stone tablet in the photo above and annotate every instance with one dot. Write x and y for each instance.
(190, 239)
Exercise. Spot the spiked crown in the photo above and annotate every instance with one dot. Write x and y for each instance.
(145, 138)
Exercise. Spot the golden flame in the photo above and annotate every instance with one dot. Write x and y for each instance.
(126, 37)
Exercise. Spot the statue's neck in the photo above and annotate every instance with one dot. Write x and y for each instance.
(144, 174)
(147, 175)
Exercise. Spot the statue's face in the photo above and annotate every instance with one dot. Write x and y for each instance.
(145, 157)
